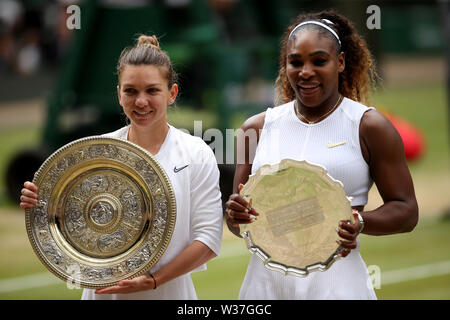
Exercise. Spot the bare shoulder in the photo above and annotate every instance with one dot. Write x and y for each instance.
(375, 125)
(380, 137)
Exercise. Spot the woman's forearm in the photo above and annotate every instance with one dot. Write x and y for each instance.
(391, 218)
(190, 258)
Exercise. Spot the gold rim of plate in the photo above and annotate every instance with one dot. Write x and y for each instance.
(299, 206)
(106, 212)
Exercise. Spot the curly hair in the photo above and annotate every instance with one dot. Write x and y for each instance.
(359, 75)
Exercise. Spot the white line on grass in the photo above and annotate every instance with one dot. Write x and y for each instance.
(28, 282)
(415, 273)
(387, 277)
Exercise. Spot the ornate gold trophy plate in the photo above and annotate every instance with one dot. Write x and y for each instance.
(299, 208)
(106, 212)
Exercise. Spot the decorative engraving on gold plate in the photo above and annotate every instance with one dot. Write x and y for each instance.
(300, 206)
(106, 209)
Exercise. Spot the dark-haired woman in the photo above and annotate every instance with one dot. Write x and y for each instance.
(326, 71)
(146, 87)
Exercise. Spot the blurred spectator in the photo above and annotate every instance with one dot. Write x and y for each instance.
(10, 15)
(29, 42)
(32, 33)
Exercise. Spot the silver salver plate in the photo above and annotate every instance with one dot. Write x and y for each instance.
(299, 208)
(106, 212)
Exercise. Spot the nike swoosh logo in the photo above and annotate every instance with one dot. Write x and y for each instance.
(332, 145)
(175, 169)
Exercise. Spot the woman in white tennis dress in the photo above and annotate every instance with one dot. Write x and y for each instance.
(325, 71)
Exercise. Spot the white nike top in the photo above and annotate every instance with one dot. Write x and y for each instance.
(334, 144)
(192, 169)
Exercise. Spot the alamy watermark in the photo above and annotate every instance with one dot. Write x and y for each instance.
(234, 146)
(73, 21)
(374, 20)
(374, 279)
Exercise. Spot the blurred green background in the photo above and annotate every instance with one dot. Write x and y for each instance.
(56, 82)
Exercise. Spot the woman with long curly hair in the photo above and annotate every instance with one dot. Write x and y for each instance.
(326, 74)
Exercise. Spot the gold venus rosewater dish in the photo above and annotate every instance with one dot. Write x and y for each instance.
(106, 212)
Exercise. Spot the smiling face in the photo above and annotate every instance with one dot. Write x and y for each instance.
(313, 68)
(144, 94)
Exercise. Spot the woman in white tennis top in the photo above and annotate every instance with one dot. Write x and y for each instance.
(147, 86)
(326, 70)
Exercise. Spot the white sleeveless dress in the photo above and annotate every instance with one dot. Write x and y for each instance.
(334, 144)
